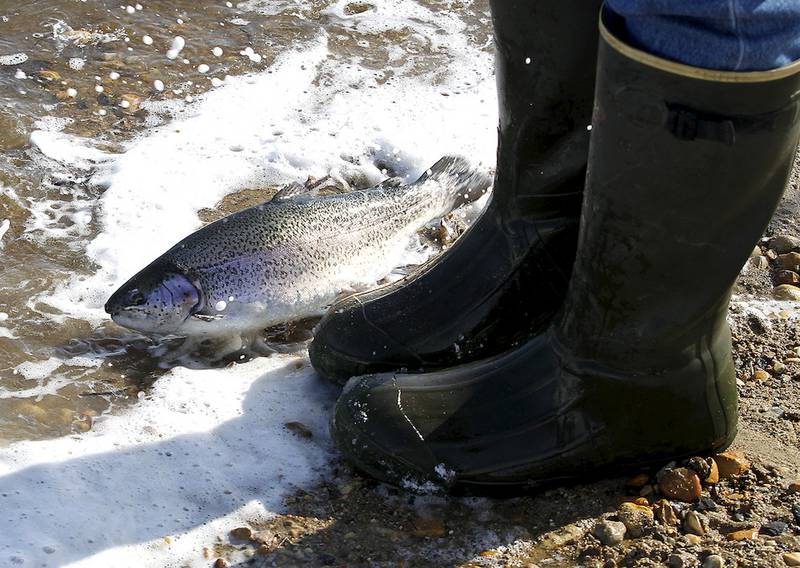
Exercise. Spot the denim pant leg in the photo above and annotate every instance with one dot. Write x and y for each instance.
(734, 35)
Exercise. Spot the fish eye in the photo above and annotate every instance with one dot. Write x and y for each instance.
(136, 298)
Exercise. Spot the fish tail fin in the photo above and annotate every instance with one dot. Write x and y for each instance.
(463, 182)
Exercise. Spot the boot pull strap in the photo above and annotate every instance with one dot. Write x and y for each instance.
(686, 123)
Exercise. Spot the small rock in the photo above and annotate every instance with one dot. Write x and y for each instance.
(665, 513)
(792, 558)
(731, 464)
(774, 528)
(759, 375)
(783, 244)
(695, 523)
(48, 75)
(130, 102)
(714, 561)
(787, 277)
(354, 8)
(679, 560)
(786, 292)
(681, 484)
(755, 252)
(220, 563)
(609, 533)
(706, 504)
(778, 367)
(744, 534)
(789, 261)
(636, 518)
(692, 539)
(428, 527)
(794, 487)
(713, 476)
(700, 466)
(242, 533)
(299, 428)
(760, 262)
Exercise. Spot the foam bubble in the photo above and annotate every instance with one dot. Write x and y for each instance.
(77, 63)
(14, 59)
(147, 40)
(178, 43)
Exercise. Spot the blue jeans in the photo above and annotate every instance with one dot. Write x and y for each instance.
(734, 35)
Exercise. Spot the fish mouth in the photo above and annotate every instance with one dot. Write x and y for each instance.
(138, 320)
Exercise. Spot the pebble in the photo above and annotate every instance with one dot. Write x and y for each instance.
(694, 523)
(217, 51)
(147, 40)
(786, 292)
(241, 533)
(787, 277)
(609, 533)
(158, 85)
(714, 561)
(789, 261)
(129, 102)
(665, 513)
(731, 464)
(744, 534)
(636, 518)
(759, 375)
(792, 558)
(681, 484)
(700, 466)
(783, 244)
(72, 93)
(774, 528)
(48, 75)
(203, 68)
(428, 527)
(220, 563)
(679, 560)
(692, 539)
(299, 428)
(794, 487)
(713, 476)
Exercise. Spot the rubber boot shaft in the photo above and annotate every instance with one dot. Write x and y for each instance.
(686, 168)
(471, 302)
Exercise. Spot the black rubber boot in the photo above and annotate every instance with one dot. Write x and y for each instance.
(471, 302)
(686, 167)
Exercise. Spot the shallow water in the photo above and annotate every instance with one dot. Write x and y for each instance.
(108, 457)
(85, 89)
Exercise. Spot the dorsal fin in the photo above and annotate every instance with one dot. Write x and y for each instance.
(294, 189)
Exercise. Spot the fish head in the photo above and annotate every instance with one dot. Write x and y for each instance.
(159, 299)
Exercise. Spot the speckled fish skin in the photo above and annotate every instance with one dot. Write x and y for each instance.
(287, 259)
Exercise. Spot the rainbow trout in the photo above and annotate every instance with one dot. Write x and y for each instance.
(288, 258)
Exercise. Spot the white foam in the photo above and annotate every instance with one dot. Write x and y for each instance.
(190, 462)
(67, 149)
(13, 59)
